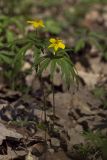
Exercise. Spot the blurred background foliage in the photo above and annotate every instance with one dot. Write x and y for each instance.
(64, 18)
(78, 22)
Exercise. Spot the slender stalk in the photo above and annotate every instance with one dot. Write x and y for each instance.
(37, 33)
(44, 105)
(53, 95)
(44, 99)
(45, 114)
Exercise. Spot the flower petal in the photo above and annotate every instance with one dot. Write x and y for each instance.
(42, 25)
(51, 46)
(36, 23)
(30, 22)
(56, 47)
(40, 22)
(52, 40)
(59, 40)
(61, 45)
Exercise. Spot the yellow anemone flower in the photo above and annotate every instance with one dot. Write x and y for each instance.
(36, 23)
(56, 44)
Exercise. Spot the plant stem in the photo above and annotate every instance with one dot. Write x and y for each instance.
(53, 92)
(37, 33)
(44, 100)
(44, 105)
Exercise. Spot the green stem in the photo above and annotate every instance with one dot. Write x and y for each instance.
(44, 105)
(12, 84)
(53, 93)
(44, 100)
(37, 33)
(45, 120)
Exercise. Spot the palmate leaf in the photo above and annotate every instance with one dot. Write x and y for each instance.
(10, 36)
(38, 42)
(53, 67)
(69, 73)
(6, 57)
(65, 70)
(18, 42)
(32, 39)
(68, 70)
(43, 64)
(18, 60)
(37, 53)
(79, 45)
(53, 26)
(93, 40)
(73, 69)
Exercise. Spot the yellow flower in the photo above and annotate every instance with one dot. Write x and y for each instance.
(37, 23)
(56, 44)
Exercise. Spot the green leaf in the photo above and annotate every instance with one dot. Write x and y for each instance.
(18, 60)
(37, 58)
(5, 58)
(79, 45)
(53, 26)
(43, 65)
(67, 69)
(95, 41)
(10, 36)
(53, 67)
